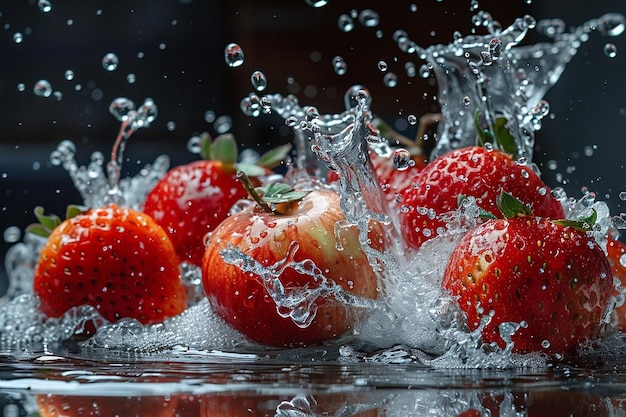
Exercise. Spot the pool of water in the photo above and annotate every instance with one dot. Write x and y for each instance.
(312, 382)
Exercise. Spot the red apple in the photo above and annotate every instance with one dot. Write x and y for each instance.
(267, 237)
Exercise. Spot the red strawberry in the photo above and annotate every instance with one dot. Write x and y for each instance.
(115, 259)
(191, 200)
(472, 172)
(616, 255)
(548, 274)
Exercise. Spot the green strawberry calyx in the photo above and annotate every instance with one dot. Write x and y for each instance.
(274, 198)
(224, 149)
(498, 134)
(49, 222)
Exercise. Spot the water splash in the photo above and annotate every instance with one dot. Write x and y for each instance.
(497, 77)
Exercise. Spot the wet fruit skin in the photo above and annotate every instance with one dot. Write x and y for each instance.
(241, 298)
(105, 406)
(472, 172)
(115, 259)
(616, 249)
(191, 200)
(529, 269)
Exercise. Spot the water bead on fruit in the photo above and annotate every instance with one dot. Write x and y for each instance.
(42, 88)
(110, 62)
(233, 55)
(345, 23)
(369, 18)
(258, 80)
(610, 50)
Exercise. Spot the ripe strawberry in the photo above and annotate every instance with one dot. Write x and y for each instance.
(192, 199)
(115, 259)
(472, 172)
(547, 274)
(242, 297)
(616, 255)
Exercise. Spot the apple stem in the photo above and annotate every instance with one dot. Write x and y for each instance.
(247, 184)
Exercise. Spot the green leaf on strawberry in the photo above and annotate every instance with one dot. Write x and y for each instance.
(49, 222)
(512, 207)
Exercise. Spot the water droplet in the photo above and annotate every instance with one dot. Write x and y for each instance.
(121, 107)
(474, 5)
(495, 47)
(467, 101)
(369, 18)
(110, 62)
(194, 144)
(412, 119)
(390, 80)
(541, 109)
(209, 116)
(545, 344)
(131, 78)
(402, 159)
(258, 80)
(223, 124)
(345, 23)
(622, 195)
(21, 87)
(12, 234)
(610, 50)
(233, 55)
(424, 71)
(58, 95)
(339, 65)
(42, 88)
(382, 66)
(413, 7)
(18, 37)
(410, 69)
(317, 3)
(44, 5)
(611, 24)
(486, 58)
(291, 121)
(69, 75)
(171, 126)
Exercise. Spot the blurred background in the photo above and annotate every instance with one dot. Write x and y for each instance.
(173, 52)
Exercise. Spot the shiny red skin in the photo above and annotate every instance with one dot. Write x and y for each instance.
(190, 201)
(616, 249)
(555, 278)
(242, 300)
(90, 405)
(115, 259)
(473, 172)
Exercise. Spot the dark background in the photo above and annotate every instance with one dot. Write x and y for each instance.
(175, 49)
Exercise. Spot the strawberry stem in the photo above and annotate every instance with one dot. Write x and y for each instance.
(247, 184)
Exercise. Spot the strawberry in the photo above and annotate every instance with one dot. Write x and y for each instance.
(472, 172)
(550, 277)
(617, 259)
(115, 259)
(192, 199)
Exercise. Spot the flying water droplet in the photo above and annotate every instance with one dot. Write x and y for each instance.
(369, 18)
(317, 3)
(131, 78)
(339, 65)
(382, 66)
(412, 119)
(345, 23)
(258, 80)
(45, 6)
(467, 101)
(410, 69)
(12, 234)
(121, 107)
(21, 87)
(424, 71)
(42, 88)
(209, 116)
(223, 124)
(18, 37)
(611, 24)
(402, 159)
(233, 55)
(390, 80)
(610, 50)
(474, 5)
(69, 75)
(110, 62)
(413, 7)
